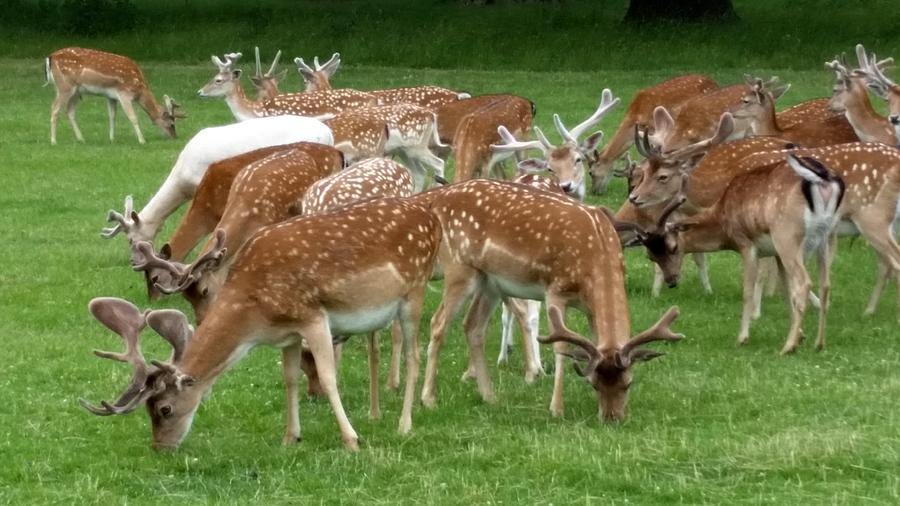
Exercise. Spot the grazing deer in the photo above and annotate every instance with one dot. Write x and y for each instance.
(490, 229)
(318, 77)
(566, 161)
(266, 84)
(207, 147)
(774, 210)
(851, 98)
(477, 131)
(696, 118)
(75, 71)
(309, 278)
(757, 108)
(669, 94)
(320, 104)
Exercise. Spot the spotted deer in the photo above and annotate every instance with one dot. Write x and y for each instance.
(430, 97)
(696, 119)
(451, 114)
(310, 278)
(75, 71)
(502, 240)
(477, 131)
(318, 77)
(266, 84)
(882, 85)
(207, 147)
(850, 97)
(669, 94)
(358, 135)
(319, 104)
(565, 161)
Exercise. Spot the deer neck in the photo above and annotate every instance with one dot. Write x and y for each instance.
(149, 104)
(868, 125)
(220, 341)
(706, 233)
(620, 142)
(240, 104)
(767, 123)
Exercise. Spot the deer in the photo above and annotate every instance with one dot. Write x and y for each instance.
(477, 131)
(757, 108)
(266, 84)
(75, 71)
(565, 161)
(350, 271)
(696, 118)
(318, 77)
(669, 94)
(207, 147)
(320, 104)
(882, 85)
(850, 97)
(488, 251)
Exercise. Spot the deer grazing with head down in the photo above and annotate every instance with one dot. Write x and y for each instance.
(209, 146)
(309, 278)
(565, 161)
(669, 94)
(490, 229)
(75, 71)
(320, 104)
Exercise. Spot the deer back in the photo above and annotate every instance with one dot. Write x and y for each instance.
(430, 97)
(97, 69)
(451, 114)
(317, 103)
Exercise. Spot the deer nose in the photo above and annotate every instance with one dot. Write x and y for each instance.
(567, 187)
(895, 119)
(634, 200)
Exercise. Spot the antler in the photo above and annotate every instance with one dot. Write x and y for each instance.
(607, 102)
(873, 69)
(124, 223)
(676, 202)
(510, 143)
(228, 64)
(660, 331)
(184, 275)
(258, 62)
(560, 333)
(274, 64)
(642, 143)
(335, 56)
(723, 130)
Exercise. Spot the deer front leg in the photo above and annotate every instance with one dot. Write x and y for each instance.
(884, 274)
(374, 410)
(128, 109)
(527, 314)
(62, 99)
(308, 365)
(702, 271)
(70, 112)
(111, 110)
(506, 333)
(751, 268)
(410, 316)
(475, 326)
(290, 366)
(393, 382)
(318, 338)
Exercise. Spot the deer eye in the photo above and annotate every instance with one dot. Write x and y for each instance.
(219, 80)
(745, 100)
(662, 179)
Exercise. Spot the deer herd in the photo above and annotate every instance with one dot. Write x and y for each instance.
(326, 213)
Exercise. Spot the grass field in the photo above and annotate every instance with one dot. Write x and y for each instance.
(708, 423)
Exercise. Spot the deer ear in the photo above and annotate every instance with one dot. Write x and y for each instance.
(644, 355)
(591, 142)
(532, 165)
(236, 73)
(307, 76)
(165, 252)
(172, 326)
(878, 89)
(662, 122)
(135, 218)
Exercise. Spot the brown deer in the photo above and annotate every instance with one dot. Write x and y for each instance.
(850, 97)
(757, 108)
(565, 161)
(266, 84)
(489, 251)
(696, 118)
(318, 77)
(75, 71)
(669, 94)
(451, 114)
(320, 104)
(882, 85)
(309, 278)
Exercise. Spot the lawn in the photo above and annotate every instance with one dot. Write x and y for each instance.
(708, 423)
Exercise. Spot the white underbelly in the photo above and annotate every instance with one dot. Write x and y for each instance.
(363, 320)
(511, 288)
(97, 90)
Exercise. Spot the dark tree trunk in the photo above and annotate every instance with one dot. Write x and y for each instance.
(679, 10)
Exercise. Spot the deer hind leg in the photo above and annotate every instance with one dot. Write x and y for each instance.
(70, 112)
(506, 333)
(374, 411)
(825, 257)
(128, 109)
(393, 382)
(703, 272)
(459, 281)
(410, 316)
(62, 99)
(527, 313)
(475, 325)
(290, 363)
(751, 273)
(798, 284)
(878, 231)
(318, 338)
(884, 274)
(111, 110)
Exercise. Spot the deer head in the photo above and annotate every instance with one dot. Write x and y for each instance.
(566, 161)
(266, 84)
(166, 120)
(130, 223)
(171, 397)
(226, 80)
(608, 370)
(877, 81)
(757, 106)
(318, 77)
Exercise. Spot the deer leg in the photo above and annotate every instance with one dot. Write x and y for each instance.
(318, 338)
(798, 283)
(657, 281)
(884, 274)
(70, 112)
(393, 382)
(458, 284)
(410, 316)
(308, 364)
(374, 411)
(128, 109)
(878, 231)
(825, 256)
(62, 99)
(557, 405)
(290, 364)
(506, 333)
(751, 268)
(527, 314)
(703, 272)
(111, 110)
(475, 325)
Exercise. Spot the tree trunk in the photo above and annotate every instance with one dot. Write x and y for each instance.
(679, 10)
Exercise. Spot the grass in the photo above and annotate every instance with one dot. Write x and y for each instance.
(708, 423)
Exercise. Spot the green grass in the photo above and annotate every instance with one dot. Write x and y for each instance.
(708, 423)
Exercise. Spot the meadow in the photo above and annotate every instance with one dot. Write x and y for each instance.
(708, 423)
